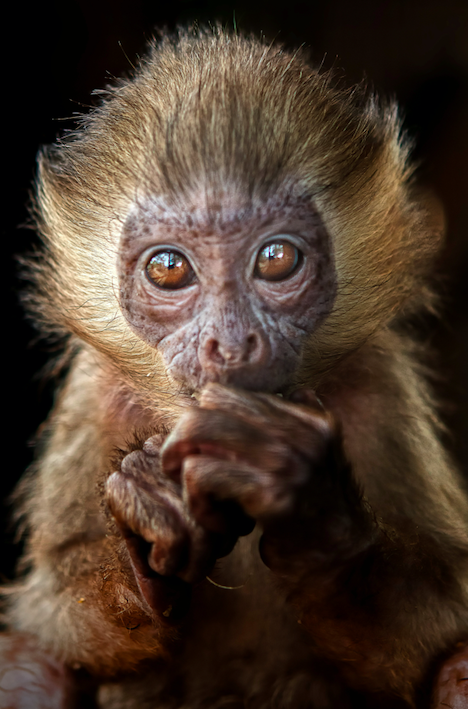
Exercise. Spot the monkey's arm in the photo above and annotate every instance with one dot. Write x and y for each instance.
(370, 546)
(79, 597)
(403, 599)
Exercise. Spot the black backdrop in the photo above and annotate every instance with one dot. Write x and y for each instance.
(54, 53)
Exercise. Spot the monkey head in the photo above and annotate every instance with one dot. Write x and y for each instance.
(227, 295)
(245, 222)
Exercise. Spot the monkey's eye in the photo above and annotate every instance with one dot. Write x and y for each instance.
(277, 260)
(169, 269)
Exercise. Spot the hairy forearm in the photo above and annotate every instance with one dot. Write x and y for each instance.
(382, 588)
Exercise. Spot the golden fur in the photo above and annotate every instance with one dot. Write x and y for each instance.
(210, 121)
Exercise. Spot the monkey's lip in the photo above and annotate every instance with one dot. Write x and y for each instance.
(196, 394)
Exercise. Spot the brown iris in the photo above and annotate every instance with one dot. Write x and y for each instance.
(277, 260)
(169, 269)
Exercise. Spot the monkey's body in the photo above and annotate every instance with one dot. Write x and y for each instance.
(229, 226)
(231, 654)
(229, 650)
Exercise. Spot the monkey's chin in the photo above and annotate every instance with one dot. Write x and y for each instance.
(264, 382)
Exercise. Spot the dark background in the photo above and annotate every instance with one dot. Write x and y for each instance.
(55, 53)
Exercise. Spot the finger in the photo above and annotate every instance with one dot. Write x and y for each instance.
(303, 405)
(168, 596)
(157, 520)
(208, 482)
(227, 436)
(302, 423)
(222, 435)
(144, 511)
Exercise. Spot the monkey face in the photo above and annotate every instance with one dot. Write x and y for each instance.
(226, 294)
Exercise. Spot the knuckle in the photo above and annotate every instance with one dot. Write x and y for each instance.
(133, 461)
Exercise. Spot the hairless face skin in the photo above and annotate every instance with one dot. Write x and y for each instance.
(227, 295)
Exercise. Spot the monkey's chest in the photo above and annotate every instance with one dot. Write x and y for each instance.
(242, 647)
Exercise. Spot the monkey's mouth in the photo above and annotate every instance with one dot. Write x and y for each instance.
(195, 394)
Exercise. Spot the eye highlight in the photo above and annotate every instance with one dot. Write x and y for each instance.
(169, 269)
(277, 260)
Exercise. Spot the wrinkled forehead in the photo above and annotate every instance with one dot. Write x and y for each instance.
(232, 222)
(225, 209)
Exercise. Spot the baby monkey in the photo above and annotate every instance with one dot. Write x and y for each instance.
(241, 499)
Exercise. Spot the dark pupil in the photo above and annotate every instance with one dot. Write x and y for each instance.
(168, 259)
(277, 261)
(274, 251)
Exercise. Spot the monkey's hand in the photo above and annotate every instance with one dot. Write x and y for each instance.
(168, 548)
(279, 461)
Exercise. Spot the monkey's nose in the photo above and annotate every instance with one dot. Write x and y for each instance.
(223, 355)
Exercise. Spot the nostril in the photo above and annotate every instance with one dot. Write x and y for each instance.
(251, 348)
(214, 353)
(232, 354)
